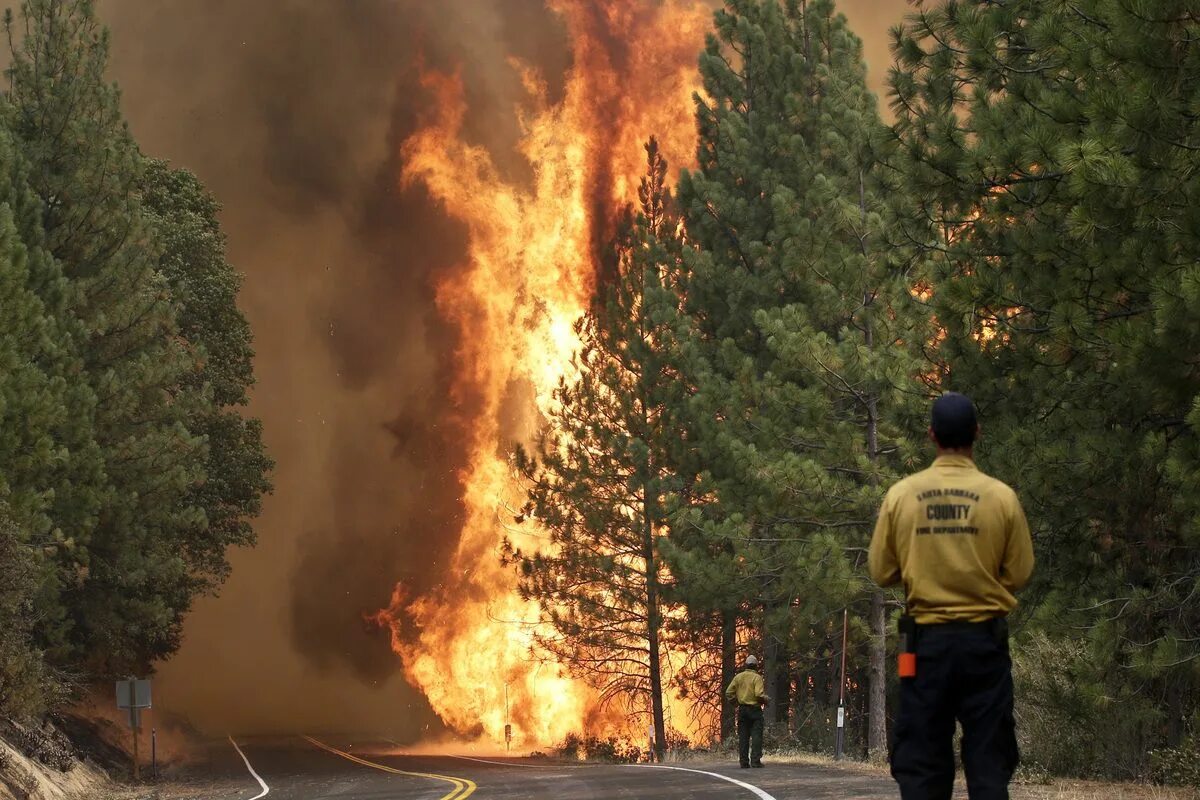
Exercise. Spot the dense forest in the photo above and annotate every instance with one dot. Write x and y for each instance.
(127, 468)
(758, 368)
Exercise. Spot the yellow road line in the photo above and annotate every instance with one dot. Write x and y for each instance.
(463, 788)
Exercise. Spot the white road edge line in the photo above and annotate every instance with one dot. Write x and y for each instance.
(265, 789)
(757, 791)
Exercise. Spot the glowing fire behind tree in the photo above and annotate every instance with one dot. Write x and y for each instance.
(533, 257)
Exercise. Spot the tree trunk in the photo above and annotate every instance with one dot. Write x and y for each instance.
(770, 659)
(774, 672)
(783, 685)
(832, 685)
(650, 513)
(653, 625)
(877, 671)
(656, 694)
(877, 677)
(877, 681)
(799, 699)
(728, 670)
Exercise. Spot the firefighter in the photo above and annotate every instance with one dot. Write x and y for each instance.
(958, 541)
(748, 690)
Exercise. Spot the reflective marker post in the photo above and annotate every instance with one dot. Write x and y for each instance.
(507, 726)
(841, 732)
(841, 712)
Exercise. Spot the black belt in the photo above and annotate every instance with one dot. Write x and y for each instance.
(997, 627)
(958, 625)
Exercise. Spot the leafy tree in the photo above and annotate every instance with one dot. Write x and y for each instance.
(1051, 148)
(798, 312)
(204, 287)
(601, 473)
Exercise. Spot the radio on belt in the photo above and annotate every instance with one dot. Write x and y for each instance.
(907, 658)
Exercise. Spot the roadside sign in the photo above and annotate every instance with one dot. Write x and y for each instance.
(133, 693)
(841, 717)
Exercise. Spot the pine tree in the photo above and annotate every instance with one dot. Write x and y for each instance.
(135, 583)
(33, 411)
(1052, 148)
(601, 474)
(51, 469)
(798, 312)
(32, 406)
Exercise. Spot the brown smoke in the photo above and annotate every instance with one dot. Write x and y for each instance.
(292, 112)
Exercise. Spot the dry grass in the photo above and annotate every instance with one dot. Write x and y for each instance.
(1085, 790)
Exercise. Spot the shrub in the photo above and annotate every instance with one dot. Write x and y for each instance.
(45, 745)
(1073, 719)
(678, 742)
(28, 687)
(571, 746)
(1177, 766)
(594, 748)
(24, 784)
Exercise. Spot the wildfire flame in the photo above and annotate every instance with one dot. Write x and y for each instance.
(531, 269)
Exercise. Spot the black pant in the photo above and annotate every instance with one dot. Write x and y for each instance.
(963, 672)
(750, 730)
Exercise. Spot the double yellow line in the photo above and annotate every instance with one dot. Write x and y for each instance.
(463, 788)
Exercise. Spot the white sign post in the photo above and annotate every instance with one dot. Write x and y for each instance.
(134, 694)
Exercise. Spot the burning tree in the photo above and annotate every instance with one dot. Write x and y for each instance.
(602, 470)
(530, 271)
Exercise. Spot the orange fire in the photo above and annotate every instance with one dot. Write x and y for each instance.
(531, 269)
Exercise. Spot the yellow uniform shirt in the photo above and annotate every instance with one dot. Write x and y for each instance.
(957, 538)
(747, 686)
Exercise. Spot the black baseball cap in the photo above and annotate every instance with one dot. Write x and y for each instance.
(953, 420)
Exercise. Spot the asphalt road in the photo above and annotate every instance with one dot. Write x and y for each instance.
(300, 768)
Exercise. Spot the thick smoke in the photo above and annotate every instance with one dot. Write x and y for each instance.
(292, 113)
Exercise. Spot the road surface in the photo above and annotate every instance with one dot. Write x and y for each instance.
(307, 768)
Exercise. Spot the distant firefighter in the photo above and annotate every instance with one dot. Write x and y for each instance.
(747, 690)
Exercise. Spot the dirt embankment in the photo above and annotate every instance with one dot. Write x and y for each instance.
(86, 755)
(41, 763)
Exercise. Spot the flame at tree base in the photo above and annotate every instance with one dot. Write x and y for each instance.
(488, 678)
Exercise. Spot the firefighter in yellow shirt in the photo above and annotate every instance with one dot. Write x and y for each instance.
(748, 690)
(958, 541)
